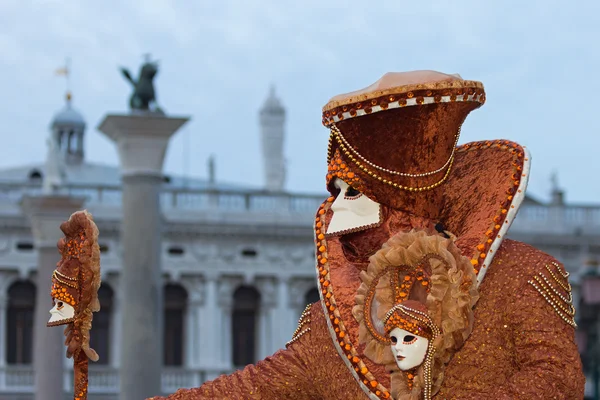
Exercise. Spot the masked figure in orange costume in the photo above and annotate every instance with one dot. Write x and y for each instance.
(395, 170)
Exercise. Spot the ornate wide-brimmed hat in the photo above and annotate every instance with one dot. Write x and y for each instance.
(396, 142)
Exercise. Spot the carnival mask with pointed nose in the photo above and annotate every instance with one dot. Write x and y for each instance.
(352, 210)
(409, 349)
(61, 313)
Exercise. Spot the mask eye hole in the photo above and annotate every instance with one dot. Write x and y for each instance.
(351, 193)
(409, 339)
(394, 339)
(59, 305)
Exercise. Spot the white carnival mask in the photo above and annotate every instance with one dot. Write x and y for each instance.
(61, 313)
(352, 210)
(409, 349)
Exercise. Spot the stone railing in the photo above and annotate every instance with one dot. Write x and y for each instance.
(531, 218)
(104, 380)
(181, 198)
(566, 220)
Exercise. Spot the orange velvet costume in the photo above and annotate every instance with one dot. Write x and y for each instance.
(522, 343)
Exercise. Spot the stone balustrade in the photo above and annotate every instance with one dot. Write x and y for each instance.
(531, 218)
(102, 380)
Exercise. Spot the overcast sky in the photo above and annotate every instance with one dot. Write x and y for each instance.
(539, 62)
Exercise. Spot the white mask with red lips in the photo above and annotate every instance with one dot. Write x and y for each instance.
(409, 349)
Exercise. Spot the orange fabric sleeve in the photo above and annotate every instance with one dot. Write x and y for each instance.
(284, 375)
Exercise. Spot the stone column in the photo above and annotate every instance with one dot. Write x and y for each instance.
(286, 318)
(45, 214)
(224, 343)
(115, 322)
(195, 291)
(267, 330)
(211, 339)
(141, 142)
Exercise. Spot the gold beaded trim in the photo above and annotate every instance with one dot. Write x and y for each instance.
(297, 337)
(69, 284)
(336, 326)
(372, 174)
(304, 319)
(562, 306)
(336, 131)
(567, 287)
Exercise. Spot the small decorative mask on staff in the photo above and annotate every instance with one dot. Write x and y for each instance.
(74, 292)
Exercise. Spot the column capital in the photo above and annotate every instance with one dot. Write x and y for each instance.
(268, 291)
(194, 286)
(225, 290)
(298, 290)
(141, 140)
(46, 214)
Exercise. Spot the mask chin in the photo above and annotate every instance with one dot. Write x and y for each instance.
(61, 314)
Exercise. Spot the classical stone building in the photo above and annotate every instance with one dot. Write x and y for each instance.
(238, 262)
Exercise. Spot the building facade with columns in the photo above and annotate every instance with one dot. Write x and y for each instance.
(237, 262)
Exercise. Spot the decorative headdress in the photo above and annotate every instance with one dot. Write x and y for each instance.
(421, 283)
(75, 282)
(396, 142)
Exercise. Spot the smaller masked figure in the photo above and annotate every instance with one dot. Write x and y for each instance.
(414, 309)
(74, 292)
(412, 334)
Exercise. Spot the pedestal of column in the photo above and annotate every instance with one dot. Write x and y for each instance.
(46, 214)
(141, 142)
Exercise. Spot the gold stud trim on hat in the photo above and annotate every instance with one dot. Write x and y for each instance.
(377, 105)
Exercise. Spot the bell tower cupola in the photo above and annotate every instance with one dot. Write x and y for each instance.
(68, 127)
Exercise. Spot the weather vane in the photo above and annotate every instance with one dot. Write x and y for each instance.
(66, 72)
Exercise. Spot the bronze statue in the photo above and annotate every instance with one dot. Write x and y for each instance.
(74, 292)
(143, 97)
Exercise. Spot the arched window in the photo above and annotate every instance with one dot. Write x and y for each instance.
(100, 333)
(175, 298)
(312, 296)
(246, 303)
(72, 142)
(19, 323)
